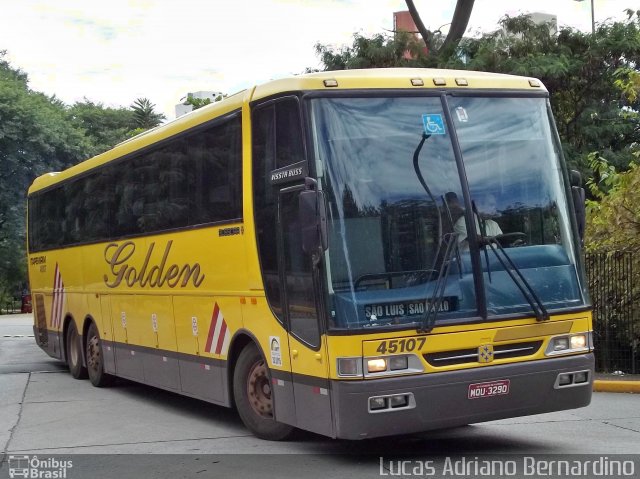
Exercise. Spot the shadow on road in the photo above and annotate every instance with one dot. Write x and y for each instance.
(472, 439)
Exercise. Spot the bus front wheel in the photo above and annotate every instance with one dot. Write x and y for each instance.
(95, 359)
(73, 344)
(253, 398)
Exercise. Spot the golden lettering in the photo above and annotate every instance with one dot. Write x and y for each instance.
(118, 258)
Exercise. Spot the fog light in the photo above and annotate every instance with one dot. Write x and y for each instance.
(564, 379)
(375, 404)
(581, 377)
(398, 401)
(560, 344)
(376, 365)
(579, 341)
(398, 362)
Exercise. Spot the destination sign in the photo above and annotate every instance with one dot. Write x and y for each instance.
(375, 312)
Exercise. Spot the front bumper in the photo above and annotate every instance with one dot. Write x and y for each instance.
(441, 399)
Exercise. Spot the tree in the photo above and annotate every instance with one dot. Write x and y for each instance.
(379, 51)
(144, 114)
(613, 219)
(36, 135)
(104, 127)
(459, 23)
(197, 103)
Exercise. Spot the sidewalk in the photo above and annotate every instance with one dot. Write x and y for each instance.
(617, 383)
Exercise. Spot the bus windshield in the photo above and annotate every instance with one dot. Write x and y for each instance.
(398, 241)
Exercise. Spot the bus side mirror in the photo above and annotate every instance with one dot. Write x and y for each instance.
(312, 213)
(579, 199)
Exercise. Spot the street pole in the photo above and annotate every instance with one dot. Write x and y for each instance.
(593, 17)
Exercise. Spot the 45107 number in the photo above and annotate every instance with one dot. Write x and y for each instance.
(401, 345)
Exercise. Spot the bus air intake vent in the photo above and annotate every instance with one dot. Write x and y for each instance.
(42, 336)
(470, 356)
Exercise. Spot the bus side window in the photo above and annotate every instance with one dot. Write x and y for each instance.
(277, 142)
(298, 269)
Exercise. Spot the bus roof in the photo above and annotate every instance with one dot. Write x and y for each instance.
(381, 78)
(403, 78)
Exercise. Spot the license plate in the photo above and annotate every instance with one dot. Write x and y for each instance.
(485, 390)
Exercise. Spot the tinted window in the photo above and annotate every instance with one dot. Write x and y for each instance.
(277, 142)
(190, 180)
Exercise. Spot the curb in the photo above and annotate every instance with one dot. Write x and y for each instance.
(621, 386)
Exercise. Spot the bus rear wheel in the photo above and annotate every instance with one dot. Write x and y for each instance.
(95, 359)
(73, 345)
(253, 398)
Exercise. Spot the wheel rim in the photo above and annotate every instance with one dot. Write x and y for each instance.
(93, 354)
(259, 390)
(74, 351)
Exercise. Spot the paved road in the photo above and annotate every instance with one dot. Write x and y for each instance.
(44, 411)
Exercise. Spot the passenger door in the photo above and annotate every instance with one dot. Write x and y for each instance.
(301, 392)
(301, 290)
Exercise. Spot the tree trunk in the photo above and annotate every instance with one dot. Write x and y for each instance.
(458, 26)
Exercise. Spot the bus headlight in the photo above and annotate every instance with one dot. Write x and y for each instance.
(350, 367)
(397, 363)
(376, 365)
(560, 344)
(578, 341)
(570, 343)
(357, 367)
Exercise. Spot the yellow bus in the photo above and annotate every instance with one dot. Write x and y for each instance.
(353, 253)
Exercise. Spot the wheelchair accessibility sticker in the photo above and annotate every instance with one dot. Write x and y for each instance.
(433, 124)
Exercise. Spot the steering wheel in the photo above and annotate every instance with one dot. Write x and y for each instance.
(512, 240)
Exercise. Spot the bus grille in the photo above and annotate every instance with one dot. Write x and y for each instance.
(466, 356)
(42, 336)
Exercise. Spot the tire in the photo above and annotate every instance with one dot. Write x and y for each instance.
(95, 359)
(73, 345)
(252, 394)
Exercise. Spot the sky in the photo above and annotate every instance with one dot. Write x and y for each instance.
(115, 51)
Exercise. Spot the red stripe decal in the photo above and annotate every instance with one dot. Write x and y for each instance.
(54, 305)
(223, 330)
(60, 303)
(212, 327)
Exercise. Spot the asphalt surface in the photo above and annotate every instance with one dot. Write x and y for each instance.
(45, 412)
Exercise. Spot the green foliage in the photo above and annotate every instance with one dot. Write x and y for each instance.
(200, 102)
(104, 127)
(39, 134)
(613, 229)
(144, 114)
(613, 218)
(628, 82)
(379, 51)
(36, 135)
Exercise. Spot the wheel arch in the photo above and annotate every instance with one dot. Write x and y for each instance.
(88, 320)
(68, 319)
(240, 340)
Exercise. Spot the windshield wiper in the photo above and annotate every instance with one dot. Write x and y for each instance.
(450, 240)
(433, 305)
(493, 243)
(416, 167)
